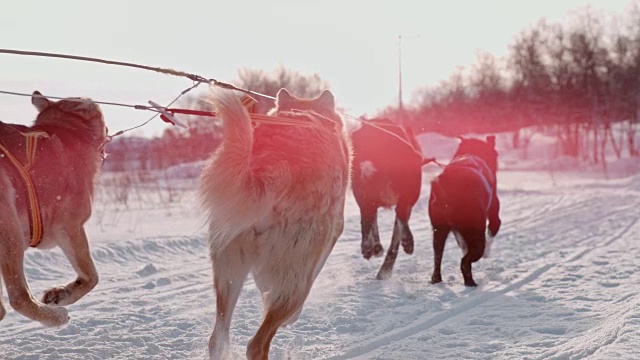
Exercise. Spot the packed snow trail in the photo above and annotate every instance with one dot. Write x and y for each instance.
(561, 283)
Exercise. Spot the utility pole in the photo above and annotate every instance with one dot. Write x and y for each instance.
(400, 72)
(400, 104)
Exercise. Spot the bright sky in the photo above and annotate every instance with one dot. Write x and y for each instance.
(351, 44)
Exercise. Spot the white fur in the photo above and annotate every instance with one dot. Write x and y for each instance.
(487, 246)
(275, 206)
(367, 169)
(462, 243)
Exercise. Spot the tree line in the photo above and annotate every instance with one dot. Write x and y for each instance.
(578, 81)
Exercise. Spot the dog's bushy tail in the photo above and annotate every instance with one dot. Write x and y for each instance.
(234, 198)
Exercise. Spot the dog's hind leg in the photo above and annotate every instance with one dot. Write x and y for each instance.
(20, 298)
(319, 267)
(12, 248)
(440, 235)
(75, 246)
(494, 215)
(230, 268)
(403, 213)
(289, 270)
(475, 240)
(275, 316)
(283, 303)
(392, 253)
(3, 312)
(370, 245)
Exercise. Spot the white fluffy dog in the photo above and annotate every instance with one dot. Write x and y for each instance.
(275, 197)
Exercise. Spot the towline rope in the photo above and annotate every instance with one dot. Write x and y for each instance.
(167, 71)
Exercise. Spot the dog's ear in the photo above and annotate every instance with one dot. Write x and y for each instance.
(283, 98)
(39, 101)
(326, 100)
(491, 140)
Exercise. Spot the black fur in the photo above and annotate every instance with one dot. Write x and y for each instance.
(394, 158)
(463, 197)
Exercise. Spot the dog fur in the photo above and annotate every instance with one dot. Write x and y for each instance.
(463, 197)
(387, 171)
(275, 199)
(63, 172)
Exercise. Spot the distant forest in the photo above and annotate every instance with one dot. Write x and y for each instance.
(578, 81)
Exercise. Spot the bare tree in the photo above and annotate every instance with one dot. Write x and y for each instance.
(268, 83)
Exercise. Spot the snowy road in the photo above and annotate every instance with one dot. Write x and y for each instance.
(562, 282)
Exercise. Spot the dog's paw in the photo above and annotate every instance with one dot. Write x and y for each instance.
(436, 278)
(366, 252)
(371, 251)
(54, 315)
(470, 283)
(378, 250)
(383, 275)
(407, 245)
(56, 295)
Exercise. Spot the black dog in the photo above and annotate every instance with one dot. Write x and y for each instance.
(463, 198)
(387, 172)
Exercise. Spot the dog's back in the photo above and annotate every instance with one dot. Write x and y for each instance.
(263, 175)
(387, 162)
(275, 196)
(462, 193)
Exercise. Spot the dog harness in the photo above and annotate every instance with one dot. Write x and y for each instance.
(35, 217)
(479, 167)
(295, 118)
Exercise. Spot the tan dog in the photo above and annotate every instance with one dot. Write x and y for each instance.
(275, 196)
(63, 172)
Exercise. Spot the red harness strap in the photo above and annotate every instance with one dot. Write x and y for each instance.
(35, 217)
(259, 118)
(250, 104)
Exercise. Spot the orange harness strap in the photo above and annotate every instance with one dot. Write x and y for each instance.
(35, 217)
(249, 103)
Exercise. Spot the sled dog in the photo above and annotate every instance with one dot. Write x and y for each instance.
(47, 174)
(275, 200)
(463, 198)
(387, 172)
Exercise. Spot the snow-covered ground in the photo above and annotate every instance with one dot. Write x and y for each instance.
(562, 282)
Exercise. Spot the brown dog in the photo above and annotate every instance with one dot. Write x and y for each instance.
(62, 165)
(275, 197)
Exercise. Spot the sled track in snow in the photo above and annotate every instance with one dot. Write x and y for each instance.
(362, 352)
